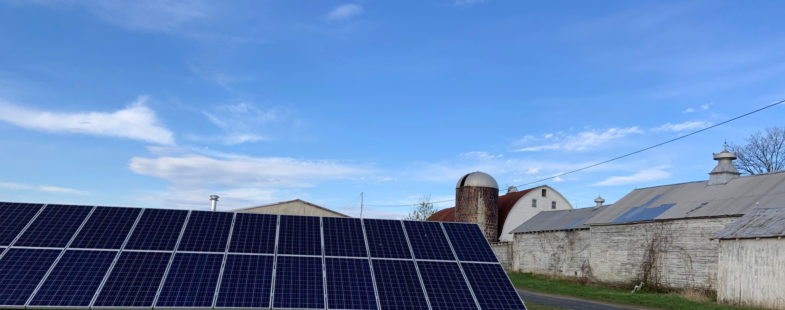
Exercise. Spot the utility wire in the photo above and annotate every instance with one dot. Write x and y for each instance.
(621, 156)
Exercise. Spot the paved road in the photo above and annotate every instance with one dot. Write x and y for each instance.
(571, 302)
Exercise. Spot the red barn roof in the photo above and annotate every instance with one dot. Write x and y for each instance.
(506, 202)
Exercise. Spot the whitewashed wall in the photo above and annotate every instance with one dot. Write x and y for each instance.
(563, 253)
(503, 251)
(685, 255)
(752, 272)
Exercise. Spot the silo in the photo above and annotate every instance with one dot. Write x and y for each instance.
(477, 201)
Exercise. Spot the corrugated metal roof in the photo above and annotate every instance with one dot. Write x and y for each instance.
(559, 220)
(697, 199)
(758, 223)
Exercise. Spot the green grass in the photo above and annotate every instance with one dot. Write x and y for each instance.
(532, 282)
(536, 306)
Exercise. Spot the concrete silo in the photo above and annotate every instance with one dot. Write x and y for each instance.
(477, 201)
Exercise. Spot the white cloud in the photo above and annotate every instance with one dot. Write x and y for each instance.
(584, 140)
(136, 121)
(705, 106)
(242, 123)
(41, 188)
(534, 170)
(689, 110)
(344, 12)
(689, 125)
(480, 155)
(639, 177)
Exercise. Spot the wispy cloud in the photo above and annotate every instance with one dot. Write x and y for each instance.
(468, 2)
(583, 141)
(244, 123)
(344, 12)
(689, 125)
(480, 155)
(41, 188)
(647, 175)
(136, 121)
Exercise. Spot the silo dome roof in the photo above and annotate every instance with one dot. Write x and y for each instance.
(477, 179)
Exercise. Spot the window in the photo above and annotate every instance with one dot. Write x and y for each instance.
(543, 192)
(534, 203)
(553, 205)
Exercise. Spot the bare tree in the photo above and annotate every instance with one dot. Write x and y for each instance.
(423, 210)
(763, 153)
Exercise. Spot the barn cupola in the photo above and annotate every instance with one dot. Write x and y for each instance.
(725, 170)
(477, 201)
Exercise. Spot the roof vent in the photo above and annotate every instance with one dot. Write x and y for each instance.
(213, 202)
(724, 171)
(512, 189)
(599, 201)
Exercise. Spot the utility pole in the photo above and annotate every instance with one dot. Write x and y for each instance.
(361, 204)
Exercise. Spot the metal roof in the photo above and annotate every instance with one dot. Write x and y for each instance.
(758, 223)
(477, 179)
(559, 220)
(697, 199)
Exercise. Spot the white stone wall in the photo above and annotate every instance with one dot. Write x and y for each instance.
(563, 253)
(752, 272)
(679, 252)
(503, 253)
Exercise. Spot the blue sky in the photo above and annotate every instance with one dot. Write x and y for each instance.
(162, 103)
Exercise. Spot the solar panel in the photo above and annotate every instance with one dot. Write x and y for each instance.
(13, 218)
(158, 229)
(191, 281)
(74, 279)
(386, 239)
(469, 242)
(298, 283)
(349, 284)
(299, 235)
(206, 232)
(446, 287)
(20, 272)
(428, 240)
(253, 233)
(134, 280)
(246, 282)
(54, 227)
(398, 285)
(107, 228)
(343, 237)
(492, 287)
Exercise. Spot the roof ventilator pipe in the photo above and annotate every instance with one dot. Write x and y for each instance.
(213, 202)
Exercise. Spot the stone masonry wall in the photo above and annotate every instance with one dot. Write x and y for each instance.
(503, 251)
(562, 253)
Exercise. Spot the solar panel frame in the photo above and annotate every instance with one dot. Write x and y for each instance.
(107, 228)
(206, 232)
(299, 235)
(349, 284)
(297, 278)
(191, 281)
(55, 227)
(492, 287)
(14, 218)
(158, 230)
(21, 271)
(74, 279)
(249, 231)
(446, 286)
(472, 246)
(398, 285)
(251, 284)
(343, 237)
(128, 273)
(428, 240)
(386, 239)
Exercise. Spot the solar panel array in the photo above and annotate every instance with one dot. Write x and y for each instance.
(82, 257)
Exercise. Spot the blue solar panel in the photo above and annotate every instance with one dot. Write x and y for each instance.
(54, 227)
(469, 242)
(107, 228)
(134, 280)
(246, 282)
(254, 233)
(20, 272)
(206, 232)
(349, 284)
(158, 229)
(398, 285)
(14, 217)
(492, 287)
(446, 287)
(428, 240)
(386, 239)
(343, 237)
(74, 279)
(191, 281)
(299, 235)
(644, 212)
(298, 283)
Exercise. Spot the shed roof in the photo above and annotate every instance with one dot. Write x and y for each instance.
(571, 219)
(288, 202)
(697, 199)
(758, 223)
